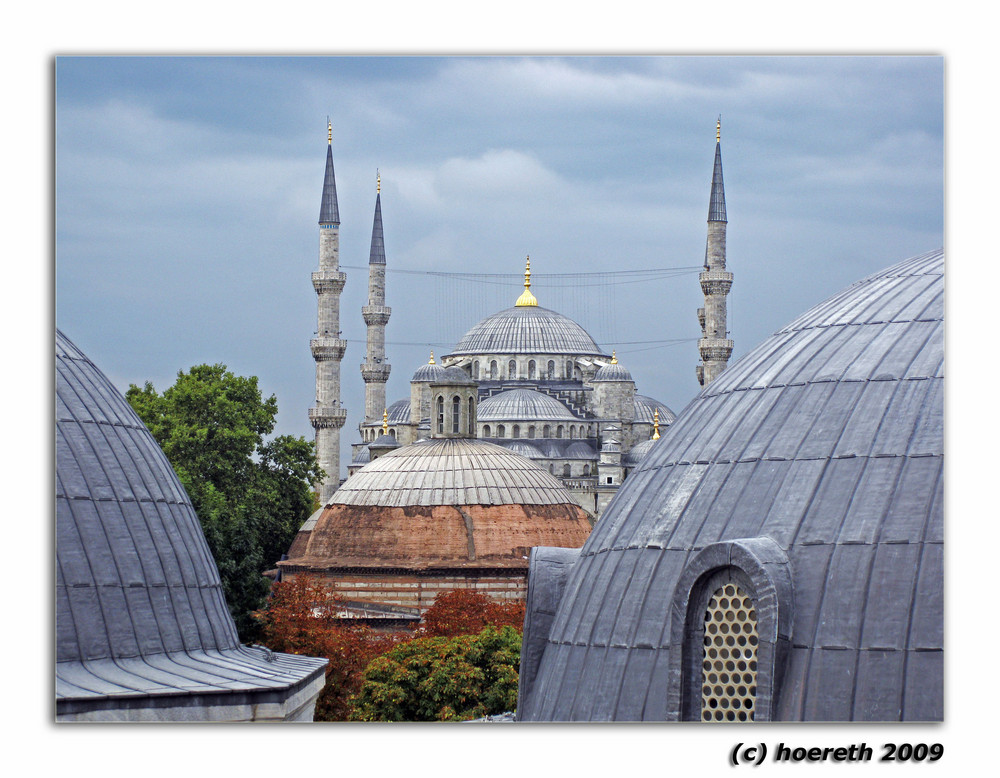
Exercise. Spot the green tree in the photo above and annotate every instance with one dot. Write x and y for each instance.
(443, 679)
(250, 494)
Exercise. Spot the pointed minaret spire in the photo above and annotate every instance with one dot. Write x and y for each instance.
(717, 200)
(714, 346)
(328, 416)
(375, 370)
(329, 213)
(526, 298)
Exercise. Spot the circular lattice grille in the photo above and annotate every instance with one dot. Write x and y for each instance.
(729, 661)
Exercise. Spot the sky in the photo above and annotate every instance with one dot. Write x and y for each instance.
(187, 192)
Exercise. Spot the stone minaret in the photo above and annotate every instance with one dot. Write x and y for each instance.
(375, 370)
(714, 347)
(327, 417)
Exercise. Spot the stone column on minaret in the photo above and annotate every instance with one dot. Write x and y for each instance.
(375, 370)
(328, 416)
(714, 347)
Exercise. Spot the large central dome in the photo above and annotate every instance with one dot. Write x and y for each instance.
(527, 330)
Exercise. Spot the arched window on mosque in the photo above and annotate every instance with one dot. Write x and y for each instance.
(586, 470)
(475, 370)
(531, 370)
(501, 431)
(486, 430)
(493, 370)
(559, 431)
(566, 470)
(547, 431)
(456, 407)
(512, 370)
(440, 414)
(551, 369)
(472, 417)
(531, 431)
(569, 369)
(516, 431)
(392, 434)
(572, 431)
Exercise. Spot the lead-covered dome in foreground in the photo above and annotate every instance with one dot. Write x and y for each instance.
(440, 514)
(778, 554)
(142, 628)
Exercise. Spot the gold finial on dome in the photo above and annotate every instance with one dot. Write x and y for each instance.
(614, 358)
(526, 298)
(385, 421)
(432, 359)
(656, 424)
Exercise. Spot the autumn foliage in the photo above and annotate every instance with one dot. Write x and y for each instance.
(301, 618)
(461, 663)
(467, 612)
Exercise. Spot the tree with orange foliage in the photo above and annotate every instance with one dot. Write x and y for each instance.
(468, 612)
(301, 617)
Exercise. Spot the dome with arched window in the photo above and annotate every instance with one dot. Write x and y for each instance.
(778, 553)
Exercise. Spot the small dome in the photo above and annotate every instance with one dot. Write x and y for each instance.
(612, 371)
(362, 457)
(451, 471)
(636, 453)
(429, 372)
(455, 375)
(527, 330)
(384, 441)
(523, 405)
(645, 408)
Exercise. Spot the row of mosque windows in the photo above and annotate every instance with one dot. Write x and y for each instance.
(532, 370)
(456, 413)
(559, 431)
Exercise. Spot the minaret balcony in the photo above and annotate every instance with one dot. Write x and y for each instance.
(701, 319)
(715, 349)
(326, 349)
(715, 282)
(327, 418)
(375, 374)
(329, 281)
(376, 314)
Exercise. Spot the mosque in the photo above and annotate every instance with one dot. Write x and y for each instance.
(545, 389)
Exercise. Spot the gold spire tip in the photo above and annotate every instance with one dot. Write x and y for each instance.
(385, 421)
(329, 131)
(656, 424)
(526, 298)
(378, 181)
(614, 357)
(718, 129)
(432, 359)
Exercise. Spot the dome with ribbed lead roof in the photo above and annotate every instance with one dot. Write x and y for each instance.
(527, 330)
(798, 497)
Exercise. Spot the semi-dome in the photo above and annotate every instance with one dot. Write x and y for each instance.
(808, 480)
(645, 410)
(523, 405)
(579, 449)
(398, 413)
(142, 628)
(524, 448)
(527, 330)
